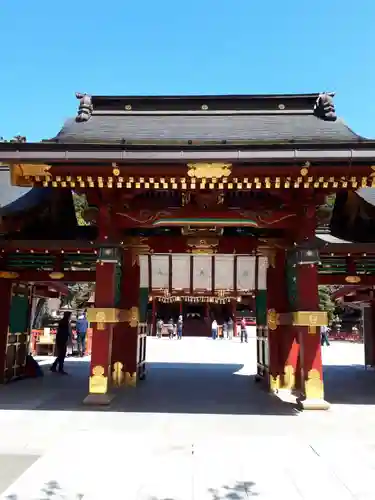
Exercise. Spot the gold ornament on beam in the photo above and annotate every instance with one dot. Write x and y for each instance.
(115, 170)
(130, 316)
(118, 376)
(209, 170)
(9, 275)
(100, 320)
(272, 319)
(353, 279)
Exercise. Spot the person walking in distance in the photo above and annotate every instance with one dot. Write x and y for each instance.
(243, 330)
(180, 324)
(214, 329)
(170, 328)
(225, 330)
(230, 328)
(63, 335)
(324, 336)
(81, 329)
(159, 328)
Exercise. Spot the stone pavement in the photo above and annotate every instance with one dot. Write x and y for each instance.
(197, 428)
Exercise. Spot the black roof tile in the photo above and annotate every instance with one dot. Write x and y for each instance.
(169, 128)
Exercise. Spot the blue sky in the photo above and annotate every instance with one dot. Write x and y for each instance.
(50, 50)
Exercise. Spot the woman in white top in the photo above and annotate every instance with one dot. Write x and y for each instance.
(214, 329)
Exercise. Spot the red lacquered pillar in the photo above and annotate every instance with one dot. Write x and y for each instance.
(289, 348)
(5, 301)
(274, 368)
(125, 353)
(311, 358)
(102, 319)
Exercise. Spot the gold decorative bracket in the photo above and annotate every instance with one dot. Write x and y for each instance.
(311, 319)
(103, 315)
(26, 174)
(209, 170)
(273, 319)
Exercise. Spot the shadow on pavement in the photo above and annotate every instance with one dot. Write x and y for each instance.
(349, 384)
(237, 491)
(169, 388)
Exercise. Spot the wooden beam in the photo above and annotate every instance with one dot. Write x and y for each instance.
(69, 276)
(340, 279)
(342, 249)
(50, 245)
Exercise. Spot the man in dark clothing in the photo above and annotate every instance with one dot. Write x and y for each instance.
(81, 329)
(63, 335)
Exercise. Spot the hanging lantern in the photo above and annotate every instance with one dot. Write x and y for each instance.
(303, 255)
(109, 255)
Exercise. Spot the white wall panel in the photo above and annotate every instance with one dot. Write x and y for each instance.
(262, 273)
(160, 271)
(224, 272)
(143, 270)
(245, 272)
(181, 271)
(202, 272)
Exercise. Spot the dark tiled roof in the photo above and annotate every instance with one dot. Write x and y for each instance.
(252, 128)
(235, 119)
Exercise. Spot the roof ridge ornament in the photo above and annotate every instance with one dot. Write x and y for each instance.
(85, 107)
(324, 107)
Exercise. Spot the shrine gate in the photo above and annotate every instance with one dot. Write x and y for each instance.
(236, 175)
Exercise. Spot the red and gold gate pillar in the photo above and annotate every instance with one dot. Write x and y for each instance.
(103, 317)
(277, 303)
(128, 355)
(289, 348)
(308, 320)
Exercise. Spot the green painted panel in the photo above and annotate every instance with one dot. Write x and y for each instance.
(118, 278)
(261, 307)
(19, 314)
(143, 303)
(291, 280)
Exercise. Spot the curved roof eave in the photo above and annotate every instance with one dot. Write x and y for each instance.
(15, 199)
(367, 194)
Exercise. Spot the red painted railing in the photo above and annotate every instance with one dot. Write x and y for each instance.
(345, 337)
(35, 334)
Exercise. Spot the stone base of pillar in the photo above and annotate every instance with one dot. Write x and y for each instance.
(313, 404)
(98, 399)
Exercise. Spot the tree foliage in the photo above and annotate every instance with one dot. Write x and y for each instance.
(325, 301)
(79, 294)
(80, 205)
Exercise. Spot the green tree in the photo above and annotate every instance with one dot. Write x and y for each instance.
(79, 294)
(80, 205)
(325, 301)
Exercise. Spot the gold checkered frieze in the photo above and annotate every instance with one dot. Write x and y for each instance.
(141, 183)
